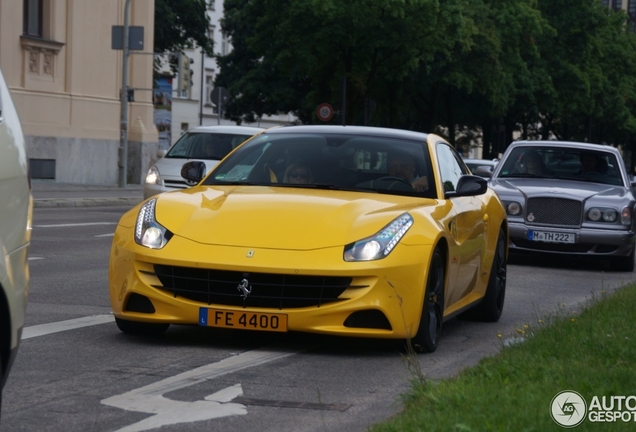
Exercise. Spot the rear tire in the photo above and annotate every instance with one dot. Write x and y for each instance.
(430, 328)
(141, 328)
(1, 380)
(625, 264)
(491, 306)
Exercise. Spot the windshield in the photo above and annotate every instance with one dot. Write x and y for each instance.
(563, 163)
(205, 145)
(330, 161)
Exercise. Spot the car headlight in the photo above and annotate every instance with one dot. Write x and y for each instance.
(513, 208)
(149, 232)
(153, 176)
(626, 216)
(601, 214)
(381, 244)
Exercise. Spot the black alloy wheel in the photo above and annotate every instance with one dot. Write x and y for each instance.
(623, 263)
(430, 328)
(491, 307)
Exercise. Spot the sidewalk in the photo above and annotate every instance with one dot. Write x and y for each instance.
(51, 194)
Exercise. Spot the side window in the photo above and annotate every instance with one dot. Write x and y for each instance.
(449, 166)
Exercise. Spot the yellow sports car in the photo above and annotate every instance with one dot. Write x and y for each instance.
(341, 230)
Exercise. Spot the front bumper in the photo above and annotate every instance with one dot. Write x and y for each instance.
(588, 241)
(393, 286)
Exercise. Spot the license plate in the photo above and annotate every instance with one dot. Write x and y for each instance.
(242, 320)
(551, 237)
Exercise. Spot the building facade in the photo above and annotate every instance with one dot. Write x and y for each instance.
(65, 78)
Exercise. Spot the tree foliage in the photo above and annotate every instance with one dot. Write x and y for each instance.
(544, 68)
(181, 24)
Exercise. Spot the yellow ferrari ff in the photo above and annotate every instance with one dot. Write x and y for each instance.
(340, 230)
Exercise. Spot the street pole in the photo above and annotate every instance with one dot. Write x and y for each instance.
(201, 92)
(343, 100)
(218, 117)
(123, 128)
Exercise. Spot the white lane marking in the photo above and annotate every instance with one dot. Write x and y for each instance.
(150, 399)
(105, 235)
(74, 224)
(35, 258)
(45, 329)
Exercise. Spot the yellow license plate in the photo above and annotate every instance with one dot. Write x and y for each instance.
(242, 320)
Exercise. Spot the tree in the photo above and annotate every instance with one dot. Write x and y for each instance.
(590, 60)
(181, 24)
(291, 55)
(539, 67)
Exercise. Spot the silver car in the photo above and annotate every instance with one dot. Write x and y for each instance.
(16, 214)
(567, 198)
(208, 144)
(473, 164)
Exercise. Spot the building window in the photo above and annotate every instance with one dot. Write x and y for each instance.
(618, 4)
(209, 86)
(211, 32)
(33, 18)
(631, 7)
(224, 44)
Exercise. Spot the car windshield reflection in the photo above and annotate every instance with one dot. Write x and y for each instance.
(330, 161)
(562, 163)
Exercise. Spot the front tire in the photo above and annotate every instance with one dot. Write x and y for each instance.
(1, 380)
(625, 264)
(491, 306)
(141, 328)
(430, 328)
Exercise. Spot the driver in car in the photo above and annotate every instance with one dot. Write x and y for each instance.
(401, 165)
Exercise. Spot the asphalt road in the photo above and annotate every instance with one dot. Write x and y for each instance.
(76, 372)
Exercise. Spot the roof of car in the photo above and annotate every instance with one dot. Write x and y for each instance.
(350, 130)
(226, 129)
(569, 144)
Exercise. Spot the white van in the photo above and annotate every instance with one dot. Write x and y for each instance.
(16, 207)
(208, 144)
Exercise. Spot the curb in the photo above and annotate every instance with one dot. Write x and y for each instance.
(85, 202)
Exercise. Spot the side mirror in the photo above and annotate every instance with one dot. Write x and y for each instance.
(193, 171)
(483, 171)
(468, 185)
(161, 153)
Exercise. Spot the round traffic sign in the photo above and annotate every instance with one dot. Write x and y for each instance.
(325, 112)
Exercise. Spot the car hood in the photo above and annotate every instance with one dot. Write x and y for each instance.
(557, 188)
(278, 217)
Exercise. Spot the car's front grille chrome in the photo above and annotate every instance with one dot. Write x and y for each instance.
(277, 291)
(554, 211)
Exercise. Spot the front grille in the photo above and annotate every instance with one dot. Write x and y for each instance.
(267, 290)
(554, 211)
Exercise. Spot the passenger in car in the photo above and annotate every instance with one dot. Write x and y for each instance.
(298, 173)
(532, 163)
(590, 163)
(401, 165)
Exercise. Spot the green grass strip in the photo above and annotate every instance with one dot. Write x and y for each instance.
(592, 352)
